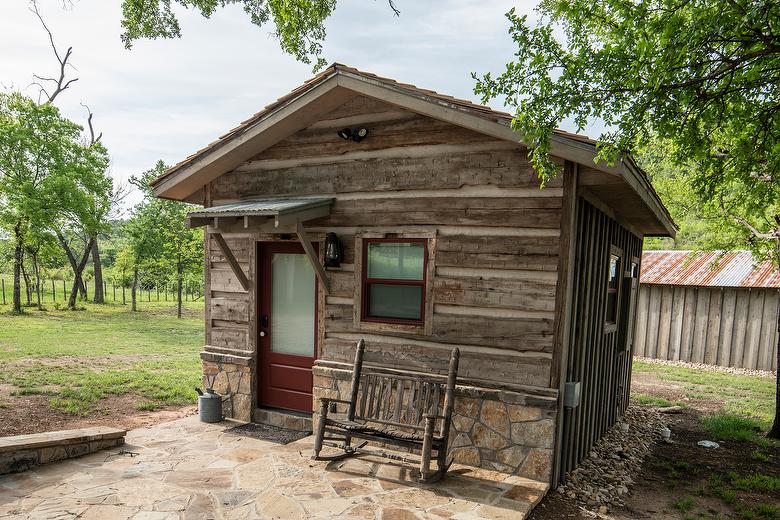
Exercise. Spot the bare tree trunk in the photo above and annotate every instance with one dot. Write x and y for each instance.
(78, 272)
(73, 264)
(37, 272)
(774, 432)
(98, 297)
(133, 290)
(27, 291)
(179, 283)
(18, 259)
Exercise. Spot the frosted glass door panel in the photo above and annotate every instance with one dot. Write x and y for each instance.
(292, 305)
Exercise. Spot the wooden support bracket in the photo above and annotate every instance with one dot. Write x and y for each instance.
(234, 265)
(312, 256)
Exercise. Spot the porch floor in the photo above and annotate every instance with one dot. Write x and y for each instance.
(187, 469)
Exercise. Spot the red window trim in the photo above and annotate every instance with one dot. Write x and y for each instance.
(366, 281)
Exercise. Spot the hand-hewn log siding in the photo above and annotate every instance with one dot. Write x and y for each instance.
(494, 257)
(229, 307)
(727, 326)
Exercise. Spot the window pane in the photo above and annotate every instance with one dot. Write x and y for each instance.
(614, 266)
(292, 304)
(394, 301)
(396, 260)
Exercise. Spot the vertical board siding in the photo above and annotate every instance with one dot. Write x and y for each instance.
(730, 327)
(598, 359)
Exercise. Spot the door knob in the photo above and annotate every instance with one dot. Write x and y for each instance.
(262, 333)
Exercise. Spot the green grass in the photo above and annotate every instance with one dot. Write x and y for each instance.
(755, 482)
(683, 504)
(78, 358)
(654, 400)
(727, 427)
(744, 395)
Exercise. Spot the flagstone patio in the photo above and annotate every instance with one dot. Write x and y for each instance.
(186, 469)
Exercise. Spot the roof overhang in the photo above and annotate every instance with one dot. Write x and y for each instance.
(329, 90)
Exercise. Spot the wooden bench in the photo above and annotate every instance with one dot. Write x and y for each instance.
(402, 410)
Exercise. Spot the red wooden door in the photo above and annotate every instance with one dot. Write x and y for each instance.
(287, 322)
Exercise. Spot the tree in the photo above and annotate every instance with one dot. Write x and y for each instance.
(49, 90)
(701, 77)
(300, 24)
(159, 228)
(46, 172)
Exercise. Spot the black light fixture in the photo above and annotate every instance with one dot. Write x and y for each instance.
(356, 134)
(334, 250)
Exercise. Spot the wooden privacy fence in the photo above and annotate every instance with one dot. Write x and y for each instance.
(727, 326)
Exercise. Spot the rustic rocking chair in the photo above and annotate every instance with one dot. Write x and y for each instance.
(395, 409)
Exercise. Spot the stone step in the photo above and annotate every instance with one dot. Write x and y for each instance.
(283, 419)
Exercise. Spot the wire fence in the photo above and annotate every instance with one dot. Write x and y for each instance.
(54, 291)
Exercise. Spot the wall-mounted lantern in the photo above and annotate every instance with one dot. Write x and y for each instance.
(356, 134)
(334, 250)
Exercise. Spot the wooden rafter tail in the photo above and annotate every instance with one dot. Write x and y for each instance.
(234, 265)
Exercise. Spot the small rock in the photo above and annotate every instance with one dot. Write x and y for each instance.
(708, 444)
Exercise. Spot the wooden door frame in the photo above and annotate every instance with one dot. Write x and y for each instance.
(264, 277)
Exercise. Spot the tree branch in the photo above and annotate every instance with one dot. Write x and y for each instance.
(61, 84)
(92, 138)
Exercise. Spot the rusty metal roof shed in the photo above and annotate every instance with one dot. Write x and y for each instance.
(708, 269)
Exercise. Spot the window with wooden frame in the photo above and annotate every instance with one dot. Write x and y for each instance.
(613, 289)
(394, 280)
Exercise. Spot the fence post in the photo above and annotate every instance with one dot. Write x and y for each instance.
(105, 288)
(64, 294)
(124, 302)
(53, 291)
(2, 282)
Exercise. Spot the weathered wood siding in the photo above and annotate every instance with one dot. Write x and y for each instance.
(493, 240)
(599, 360)
(229, 308)
(726, 326)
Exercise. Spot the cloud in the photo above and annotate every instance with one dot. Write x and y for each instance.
(165, 99)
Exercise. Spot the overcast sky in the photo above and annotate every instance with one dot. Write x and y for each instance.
(165, 99)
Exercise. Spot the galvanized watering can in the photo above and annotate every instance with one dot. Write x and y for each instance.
(209, 405)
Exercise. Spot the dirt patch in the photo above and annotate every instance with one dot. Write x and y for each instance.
(681, 474)
(649, 383)
(33, 413)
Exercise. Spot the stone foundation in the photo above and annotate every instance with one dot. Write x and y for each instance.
(502, 430)
(231, 377)
(22, 452)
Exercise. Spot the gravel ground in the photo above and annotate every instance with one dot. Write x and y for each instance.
(711, 368)
(602, 479)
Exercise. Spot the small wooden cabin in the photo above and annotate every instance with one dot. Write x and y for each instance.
(447, 241)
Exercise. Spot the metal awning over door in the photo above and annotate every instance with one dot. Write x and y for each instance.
(269, 216)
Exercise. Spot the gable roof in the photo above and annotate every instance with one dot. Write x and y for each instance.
(708, 269)
(335, 85)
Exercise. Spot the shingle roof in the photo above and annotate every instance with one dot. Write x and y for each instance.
(336, 68)
(707, 269)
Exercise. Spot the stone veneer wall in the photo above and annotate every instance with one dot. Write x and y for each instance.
(499, 430)
(231, 377)
(22, 452)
